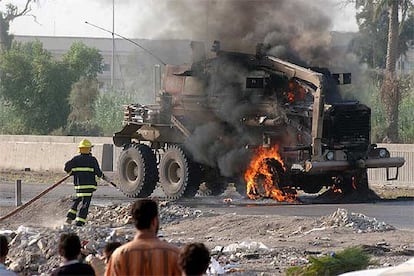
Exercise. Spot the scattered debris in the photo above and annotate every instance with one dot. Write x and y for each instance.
(251, 244)
(359, 222)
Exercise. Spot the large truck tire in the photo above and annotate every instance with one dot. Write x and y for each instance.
(137, 171)
(179, 175)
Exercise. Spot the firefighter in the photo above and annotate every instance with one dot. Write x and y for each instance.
(84, 167)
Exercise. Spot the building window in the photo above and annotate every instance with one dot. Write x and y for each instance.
(107, 67)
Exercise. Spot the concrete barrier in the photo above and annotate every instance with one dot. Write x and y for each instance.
(49, 153)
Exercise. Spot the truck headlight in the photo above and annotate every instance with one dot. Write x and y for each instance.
(383, 153)
(330, 155)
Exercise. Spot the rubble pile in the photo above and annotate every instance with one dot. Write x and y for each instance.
(33, 250)
(170, 212)
(359, 222)
(118, 215)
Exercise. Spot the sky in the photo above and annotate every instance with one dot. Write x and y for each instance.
(133, 18)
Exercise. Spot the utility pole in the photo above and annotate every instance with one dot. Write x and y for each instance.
(113, 45)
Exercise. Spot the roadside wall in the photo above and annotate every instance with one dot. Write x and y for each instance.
(406, 172)
(49, 153)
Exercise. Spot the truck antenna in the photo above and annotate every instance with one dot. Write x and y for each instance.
(127, 39)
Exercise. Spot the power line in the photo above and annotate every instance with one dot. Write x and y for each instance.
(127, 39)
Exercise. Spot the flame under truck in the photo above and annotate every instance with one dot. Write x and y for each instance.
(323, 140)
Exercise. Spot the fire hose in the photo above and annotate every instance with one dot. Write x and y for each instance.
(45, 192)
(110, 181)
(35, 198)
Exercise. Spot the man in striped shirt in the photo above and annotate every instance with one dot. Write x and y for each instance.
(84, 167)
(146, 254)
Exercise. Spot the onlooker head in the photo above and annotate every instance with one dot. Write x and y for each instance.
(194, 259)
(109, 249)
(99, 263)
(69, 246)
(145, 215)
(4, 250)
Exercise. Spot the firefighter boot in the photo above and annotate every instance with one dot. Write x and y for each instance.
(80, 221)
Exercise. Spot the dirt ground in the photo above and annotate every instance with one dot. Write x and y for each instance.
(287, 241)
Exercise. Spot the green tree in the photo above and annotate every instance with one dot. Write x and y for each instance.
(84, 64)
(38, 87)
(83, 61)
(82, 98)
(9, 119)
(378, 17)
(108, 110)
(390, 90)
(10, 13)
(35, 86)
(370, 43)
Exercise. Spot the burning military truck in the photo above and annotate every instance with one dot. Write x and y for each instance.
(270, 126)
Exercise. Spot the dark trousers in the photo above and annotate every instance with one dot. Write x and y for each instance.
(83, 211)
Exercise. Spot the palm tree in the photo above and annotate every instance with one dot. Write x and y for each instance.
(390, 92)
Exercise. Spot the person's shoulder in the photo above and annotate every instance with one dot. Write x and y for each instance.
(126, 246)
(75, 269)
(121, 249)
(55, 272)
(87, 268)
(77, 157)
(89, 157)
(168, 245)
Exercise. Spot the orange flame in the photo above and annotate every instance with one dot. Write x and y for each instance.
(336, 189)
(296, 92)
(260, 174)
(354, 185)
(291, 97)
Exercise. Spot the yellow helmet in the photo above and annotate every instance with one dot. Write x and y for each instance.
(85, 146)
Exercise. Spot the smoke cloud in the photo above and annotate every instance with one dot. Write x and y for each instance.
(298, 31)
(294, 29)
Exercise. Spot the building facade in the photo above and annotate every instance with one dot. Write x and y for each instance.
(133, 62)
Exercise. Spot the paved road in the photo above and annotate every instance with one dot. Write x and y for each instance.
(397, 213)
(105, 194)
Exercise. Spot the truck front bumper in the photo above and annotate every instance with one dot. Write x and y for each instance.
(318, 167)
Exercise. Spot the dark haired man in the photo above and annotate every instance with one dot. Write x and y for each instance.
(4, 250)
(194, 259)
(109, 249)
(70, 249)
(146, 254)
